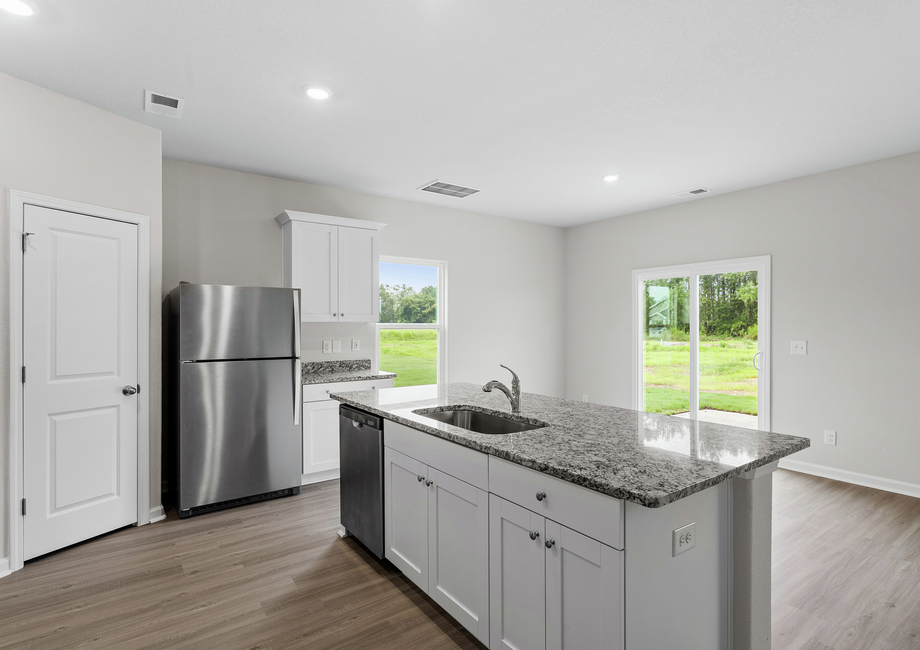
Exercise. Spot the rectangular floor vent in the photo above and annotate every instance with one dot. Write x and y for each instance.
(163, 104)
(448, 190)
(689, 193)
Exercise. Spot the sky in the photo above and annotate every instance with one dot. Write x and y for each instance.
(413, 275)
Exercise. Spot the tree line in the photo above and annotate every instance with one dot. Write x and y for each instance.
(402, 304)
(728, 305)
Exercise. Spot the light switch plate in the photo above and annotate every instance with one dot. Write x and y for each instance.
(336, 346)
(683, 539)
(355, 345)
(799, 347)
(327, 347)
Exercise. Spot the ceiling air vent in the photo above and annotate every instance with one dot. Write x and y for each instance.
(447, 189)
(163, 104)
(689, 193)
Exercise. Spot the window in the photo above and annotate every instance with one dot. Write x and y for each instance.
(412, 332)
(701, 341)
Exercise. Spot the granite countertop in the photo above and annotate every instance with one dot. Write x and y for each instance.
(327, 372)
(641, 457)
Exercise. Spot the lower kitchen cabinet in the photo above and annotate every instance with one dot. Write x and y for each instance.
(320, 436)
(437, 534)
(550, 586)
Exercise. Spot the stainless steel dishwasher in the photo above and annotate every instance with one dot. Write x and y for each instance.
(361, 482)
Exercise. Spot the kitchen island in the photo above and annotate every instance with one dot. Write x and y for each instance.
(653, 531)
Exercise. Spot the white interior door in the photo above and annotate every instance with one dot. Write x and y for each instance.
(80, 337)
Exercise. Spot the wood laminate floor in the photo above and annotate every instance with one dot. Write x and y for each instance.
(276, 576)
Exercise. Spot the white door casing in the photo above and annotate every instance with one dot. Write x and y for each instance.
(97, 333)
(80, 344)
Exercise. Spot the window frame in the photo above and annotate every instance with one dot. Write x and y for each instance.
(440, 326)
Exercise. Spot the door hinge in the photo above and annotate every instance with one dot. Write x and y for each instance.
(23, 507)
(23, 374)
(25, 238)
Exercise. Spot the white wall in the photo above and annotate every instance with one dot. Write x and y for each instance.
(56, 146)
(505, 277)
(845, 247)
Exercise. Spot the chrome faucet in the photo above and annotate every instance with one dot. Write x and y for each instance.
(514, 394)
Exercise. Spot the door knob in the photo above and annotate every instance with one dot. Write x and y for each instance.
(534, 534)
(128, 391)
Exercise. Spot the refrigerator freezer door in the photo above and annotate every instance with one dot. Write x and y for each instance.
(224, 322)
(238, 436)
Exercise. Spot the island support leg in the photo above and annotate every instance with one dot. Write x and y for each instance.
(752, 528)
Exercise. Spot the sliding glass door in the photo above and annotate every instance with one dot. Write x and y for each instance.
(702, 341)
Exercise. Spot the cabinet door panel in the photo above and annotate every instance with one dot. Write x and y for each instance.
(359, 274)
(315, 269)
(458, 551)
(584, 592)
(517, 578)
(406, 516)
(320, 436)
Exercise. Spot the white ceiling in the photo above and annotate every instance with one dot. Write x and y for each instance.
(530, 101)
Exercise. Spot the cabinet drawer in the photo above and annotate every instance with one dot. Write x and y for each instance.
(591, 513)
(316, 392)
(460, 462)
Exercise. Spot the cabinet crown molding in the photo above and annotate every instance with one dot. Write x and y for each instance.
(293, 215)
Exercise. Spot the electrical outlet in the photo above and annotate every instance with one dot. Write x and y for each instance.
(336, 346)
(830, 437)
(327, 347)
(683, 539)
(799, 347)
(355, 345)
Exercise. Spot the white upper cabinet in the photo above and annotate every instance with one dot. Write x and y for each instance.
(334, 262)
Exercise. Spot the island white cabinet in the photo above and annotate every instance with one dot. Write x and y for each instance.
(551, 587)
(321, 427)
(437, 534)
(335, 263)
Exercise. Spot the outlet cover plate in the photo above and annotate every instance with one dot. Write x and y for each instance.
(683, 539)
(799, 347)
(355, 345)
(327, 347)
(336, 346)
(830, 437)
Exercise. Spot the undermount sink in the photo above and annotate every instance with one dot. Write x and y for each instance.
(480, 422)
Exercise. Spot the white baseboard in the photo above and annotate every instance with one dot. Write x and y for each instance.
(846, 476)
(4, 567)
(157, 514)
(319, 477)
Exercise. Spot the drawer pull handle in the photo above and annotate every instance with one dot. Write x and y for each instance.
(421, 478)
(534, 534)
(541, 496)
(549, 543)
(429, 483)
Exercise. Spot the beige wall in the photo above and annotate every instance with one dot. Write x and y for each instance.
(844, 247)
(56, 146)
(505, 277)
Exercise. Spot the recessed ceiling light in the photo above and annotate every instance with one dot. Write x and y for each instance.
(19, 7)
(611, 178)
(313, 92)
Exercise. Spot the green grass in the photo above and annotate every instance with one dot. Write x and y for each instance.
(411, 354)
(728, 379)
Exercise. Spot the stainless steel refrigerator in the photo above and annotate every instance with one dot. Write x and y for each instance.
(234, 393)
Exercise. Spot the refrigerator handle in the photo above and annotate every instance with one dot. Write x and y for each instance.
(297, 323)
(298, 391)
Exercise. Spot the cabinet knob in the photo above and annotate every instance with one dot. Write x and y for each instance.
(421, 478)
(534, 534)
(429, 483)
(549, 543)
(541, 496)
